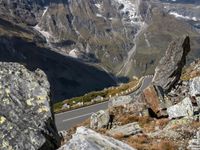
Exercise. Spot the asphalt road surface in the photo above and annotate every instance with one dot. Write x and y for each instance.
(69, 119)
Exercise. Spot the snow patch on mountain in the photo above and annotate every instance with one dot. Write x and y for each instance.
(101, 16)
(46, 34)
(130, 10)
(99, 6)
(184, 17)
(73, 54)
(45, 10)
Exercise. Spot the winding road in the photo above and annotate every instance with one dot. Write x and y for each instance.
(69, 119)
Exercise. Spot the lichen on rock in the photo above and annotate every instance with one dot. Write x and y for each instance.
(25, 119)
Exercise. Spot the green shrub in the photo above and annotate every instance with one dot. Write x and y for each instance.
(92, 95)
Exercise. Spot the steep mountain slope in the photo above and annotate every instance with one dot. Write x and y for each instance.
(123, 37)
(93, 30)
(22, 11)
(67, 76)
(114, 34)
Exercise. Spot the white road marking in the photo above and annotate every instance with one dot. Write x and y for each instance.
(77, 117)
(80, 108)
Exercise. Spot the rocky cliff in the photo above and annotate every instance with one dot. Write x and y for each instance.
(22, 11)
(169, 69)
(101, 31)
(26, 121)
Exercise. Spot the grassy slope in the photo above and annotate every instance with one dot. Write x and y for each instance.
(87, 98)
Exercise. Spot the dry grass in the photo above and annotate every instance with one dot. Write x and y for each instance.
(189, 75)
(102, 131)
(118, 136)
(162, 122)
(190, 72)
(142, 142)
(125, 119)
(195, 124)
(164, 145)
(147, 123)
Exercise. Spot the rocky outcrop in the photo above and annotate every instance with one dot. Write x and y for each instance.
(99, 119)
(156, 100)
(194, 85)
(26, 11)
(126, 130)
(178, 93)
(86, 139)
(25, 115)
(182, 109)
(169, 69)
(120, 101)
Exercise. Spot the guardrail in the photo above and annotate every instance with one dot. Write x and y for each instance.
(126, 92)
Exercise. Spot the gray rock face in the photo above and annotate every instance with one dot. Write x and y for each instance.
(126, 130)
(182, 109)
(26, 11)
(195, 86)
(25, 115)
(120, 101)
(86, 139)
(99, 119)
(195, 89)
(168, 71)
(178, 93)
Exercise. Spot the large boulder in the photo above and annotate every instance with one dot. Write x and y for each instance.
(195, 89)
(25, 116)
(195, 86)
(86, 139)
(169, 69)
(120, 101)
(155, 100)
(182, 109)
(126, 130)
(99, 119)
